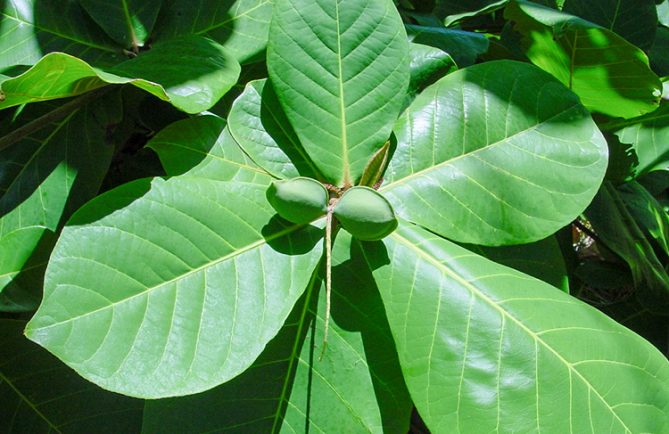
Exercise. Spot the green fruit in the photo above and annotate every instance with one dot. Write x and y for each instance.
(298, 200)
(365, 214)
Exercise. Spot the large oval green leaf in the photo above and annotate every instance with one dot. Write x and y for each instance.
(357, 386)
(340, 70)
(485, 348)
(609, 74)
(497, 153)
(192, 81)
(164, 288)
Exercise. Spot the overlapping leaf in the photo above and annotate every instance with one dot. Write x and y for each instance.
(497, 153)
(634, 20)
(259, 124)
(239, 25)
(356, 387)
(609, 74)
(128, 22)
(43, 178)
(514, 354)
(464, 47)
(186, 282)
(618, 230)
(203, 147)
(192, 81)
(38, 394)
(453, 11)
(30, 29)
(340, 71)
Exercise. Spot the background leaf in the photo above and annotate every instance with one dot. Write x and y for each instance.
(192, 82)
(634, 20)
(497, 153)
(609, 74)
(128, 22)
(463, 47)
(29, 29)
(166, 302)
(340, 70)
(517, 354)
(616, 227)
(44, 178)
(649, 135)
(453, 11)
(38, 394)
(241, 26)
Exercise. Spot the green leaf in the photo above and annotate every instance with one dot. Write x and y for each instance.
(541, 259)
(454, 11)
(649, 135)
(610, 75)
(261, 128)
(31, 28)
(634, 20)
(168, 300)
(44, 178)
(647, 212)
(340, 70)
(241, 26)
(496, 153)
(203, 147)
(618, 230)
(485, 348)
(658, 57)
(463, 47)
(128, 22)
(38, 394)
(193, 81)
(356, 387)
(427, 65)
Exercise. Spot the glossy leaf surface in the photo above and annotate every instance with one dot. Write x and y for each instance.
(497, 153)
(515, 354)
(340, 71)
(39, 394)
(167, 305)
(192, 81)
(464, 47)
(453, 11)
(609, 74)
(128, 22)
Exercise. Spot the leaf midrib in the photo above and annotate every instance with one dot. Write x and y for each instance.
(53, 32)
(474, 152)
(147, 290)
(474, 290)
(346, 179)
(28, 402)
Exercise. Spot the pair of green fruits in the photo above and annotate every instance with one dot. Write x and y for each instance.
(361, 211)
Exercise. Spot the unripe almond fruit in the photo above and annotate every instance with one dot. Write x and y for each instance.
(298, 200)
(365, 214)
